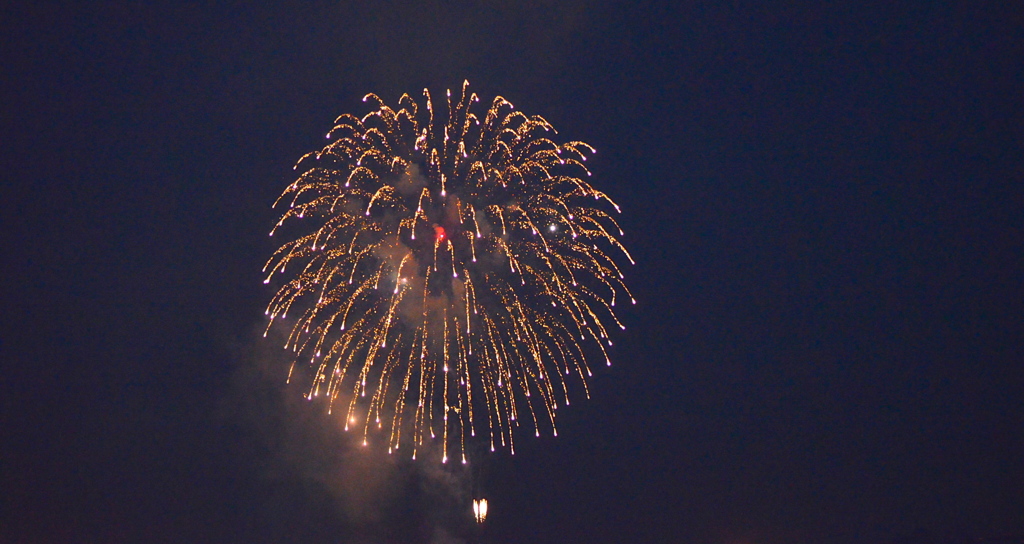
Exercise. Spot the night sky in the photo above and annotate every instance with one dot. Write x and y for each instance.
(825, 203)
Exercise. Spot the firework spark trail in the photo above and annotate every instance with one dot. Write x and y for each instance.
(452, 266)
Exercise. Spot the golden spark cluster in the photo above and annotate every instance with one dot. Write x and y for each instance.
(449, 273)
(480, 510)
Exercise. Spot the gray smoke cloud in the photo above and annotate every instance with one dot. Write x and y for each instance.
(380, 498)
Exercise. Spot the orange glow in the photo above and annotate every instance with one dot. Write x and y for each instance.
(480, 510)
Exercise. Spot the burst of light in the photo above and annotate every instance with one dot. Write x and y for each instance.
(505, 309)
(480, 510)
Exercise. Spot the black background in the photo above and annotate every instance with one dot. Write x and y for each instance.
(824, 200)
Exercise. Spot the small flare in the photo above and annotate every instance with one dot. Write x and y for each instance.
(480, 510)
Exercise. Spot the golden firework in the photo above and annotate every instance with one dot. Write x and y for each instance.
(480, 510)
(449, 274)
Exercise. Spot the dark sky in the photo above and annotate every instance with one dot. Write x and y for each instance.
(825, 202)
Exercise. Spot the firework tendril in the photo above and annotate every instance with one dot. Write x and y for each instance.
(450, 274)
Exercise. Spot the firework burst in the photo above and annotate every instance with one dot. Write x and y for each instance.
(450, 274)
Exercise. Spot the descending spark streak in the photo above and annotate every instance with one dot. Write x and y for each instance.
(480, 510)
(453, 265)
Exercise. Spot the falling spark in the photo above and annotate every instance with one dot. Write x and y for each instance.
(480, 510)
